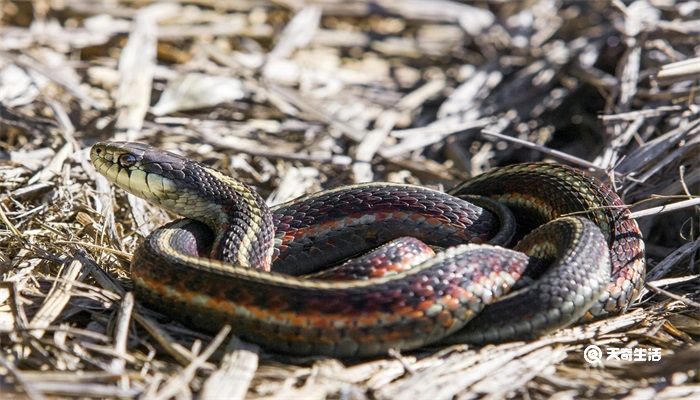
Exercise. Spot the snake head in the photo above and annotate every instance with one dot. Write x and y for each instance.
(232, 210)
(166, 179)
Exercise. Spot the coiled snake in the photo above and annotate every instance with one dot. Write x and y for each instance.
(234, 260)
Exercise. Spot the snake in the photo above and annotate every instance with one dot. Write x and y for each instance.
(356, 271)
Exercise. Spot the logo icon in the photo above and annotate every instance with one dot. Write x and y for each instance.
(592, 354)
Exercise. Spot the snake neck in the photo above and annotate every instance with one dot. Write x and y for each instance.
(242, 223)
(244, 242)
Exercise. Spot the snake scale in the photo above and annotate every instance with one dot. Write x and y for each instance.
(431, 268)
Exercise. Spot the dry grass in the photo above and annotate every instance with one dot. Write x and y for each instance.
(294, 97)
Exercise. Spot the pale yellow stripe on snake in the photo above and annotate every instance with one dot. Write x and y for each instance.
(247, 240)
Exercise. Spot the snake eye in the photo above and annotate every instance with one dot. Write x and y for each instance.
(127, 160)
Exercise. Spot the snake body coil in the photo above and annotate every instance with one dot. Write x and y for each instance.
(236, 261)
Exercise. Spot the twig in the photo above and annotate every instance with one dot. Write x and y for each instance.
(672, 259)
(28, 387)
(121, 331)
(673, 296)
(57, 298)
(173, 386)
(647, 113)
(236, 373)
(665, 208)
(545, 150)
